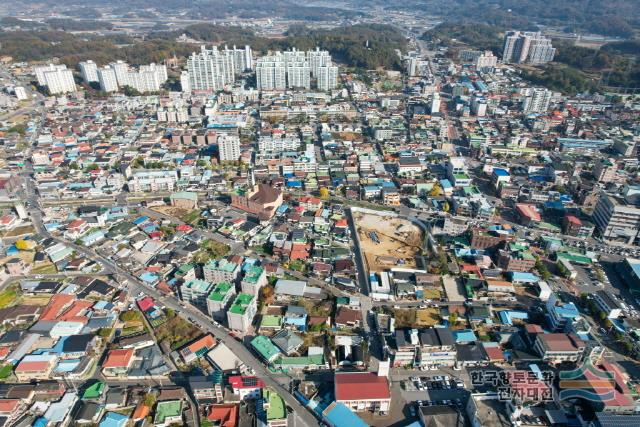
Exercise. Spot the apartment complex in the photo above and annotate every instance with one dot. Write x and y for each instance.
(219, 299)
(228, 147)
(213, 69)
(294, 69)
(240, 314)
(527, 48)
(57, 78)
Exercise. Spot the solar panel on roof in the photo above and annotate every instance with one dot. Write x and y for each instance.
(252, 381)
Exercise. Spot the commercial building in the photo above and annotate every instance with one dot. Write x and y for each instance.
(616, 220)
(607, 304)
(362, 391)
(629, 271)
(527, 48)
(240, 314)
(219, 299)
(559, 347)
(153, 181)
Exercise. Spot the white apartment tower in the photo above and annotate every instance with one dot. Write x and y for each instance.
(56, 78)
(89, 71)
(327, 77)
(185, 82)
(242, 58)
(228, 147)
(271, 73)
(298, 75)
(121, 69)
(318, 58)
(211, 69)
(107, 79)
(537, 101)
(527, 47)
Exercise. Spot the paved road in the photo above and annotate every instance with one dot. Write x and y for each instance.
(194, 315)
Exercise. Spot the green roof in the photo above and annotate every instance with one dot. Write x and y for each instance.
(220, 291)
(276, 409)
(164, 410)
(265, 347)
(271, 321)
(95, 390)
(571, 257)
(252, 274)
(198, 285)
(222, 265)
(240, 304)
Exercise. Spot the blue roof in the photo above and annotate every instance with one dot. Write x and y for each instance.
(500, 172)
(148, 277)
(113, 419)
(445, 183)
(40, 422)
(341, 416)
(566, 311)
(519, 276)
(465, 335)
(140, 220)
(506, 316)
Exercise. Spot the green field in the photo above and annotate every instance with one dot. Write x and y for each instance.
(5, 371)
(8, 296)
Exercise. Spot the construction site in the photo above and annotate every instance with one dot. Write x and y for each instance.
(387, 241)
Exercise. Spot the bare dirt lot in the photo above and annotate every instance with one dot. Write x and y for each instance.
(387, 242)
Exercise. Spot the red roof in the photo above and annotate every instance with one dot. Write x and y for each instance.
(145, 303)
(119, 358)
(494, 353)
(361, 386)
(573, 220)
(240, 382)
(224, 415)
(55, 306)
(528, 210)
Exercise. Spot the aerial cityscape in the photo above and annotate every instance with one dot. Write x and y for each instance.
(414, 213)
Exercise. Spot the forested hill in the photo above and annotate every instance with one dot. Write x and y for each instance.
(363, 46)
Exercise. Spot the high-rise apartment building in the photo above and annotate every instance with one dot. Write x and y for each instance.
(107, 79)
(89, 71)
(487, 61)
(185, 82)
(318, 58)
(298, 75)
(57, 78)
(228, 147)
(242, 58)
(271, 73)
(121, 69)
(536, 100)
(527, 48)
(212, 69)
(327, 76)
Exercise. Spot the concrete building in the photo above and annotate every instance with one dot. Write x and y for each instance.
(607, 304)
(486, 61)
(271, 73)
(88, 71)
(211, 69)
(605, 170)
(240, 314)
(196, 291)
(219, 300)
(527, 48)
(536, 100)
(363, 391)
(228, 147)
(327, 76)
(107, 79)
(616, 220)
(254, 279)
(221, 271)
(57, 78)
(151, 181)
(559, 347)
